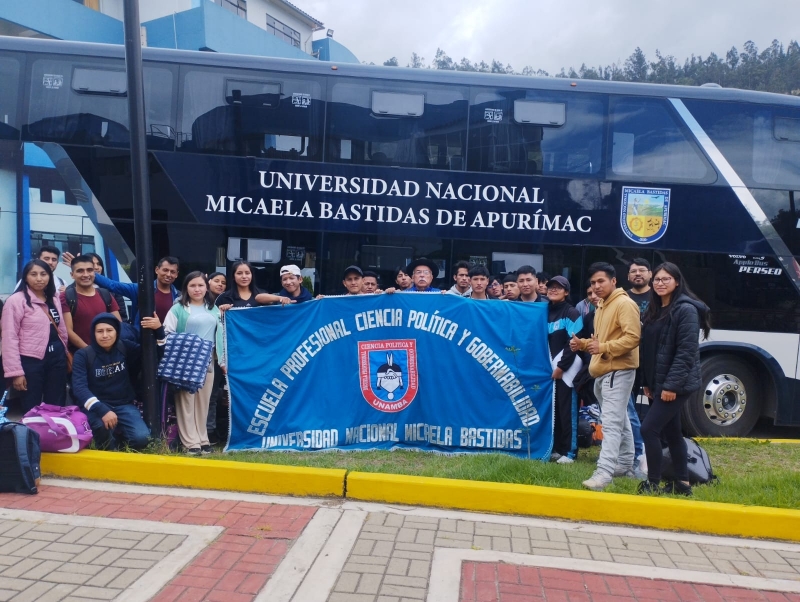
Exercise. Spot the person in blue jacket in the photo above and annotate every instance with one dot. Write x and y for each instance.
(165, 291)
(101, 383)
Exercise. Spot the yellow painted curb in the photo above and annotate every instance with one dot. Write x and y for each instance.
(145, 469)
(644, 511)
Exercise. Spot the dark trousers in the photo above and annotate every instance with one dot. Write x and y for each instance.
(130, 427)
(664, 419)
(46, 378)
(565, 433)
(219, 381)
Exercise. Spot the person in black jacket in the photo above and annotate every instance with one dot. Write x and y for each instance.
(101, 383)
(563, 321)
(670, 363)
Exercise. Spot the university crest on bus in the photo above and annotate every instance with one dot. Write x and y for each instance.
(388, 373)
(644, 216)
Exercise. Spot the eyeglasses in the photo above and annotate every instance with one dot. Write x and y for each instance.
(422, 272)
(665, 280)
(494, 285)
(638, 271)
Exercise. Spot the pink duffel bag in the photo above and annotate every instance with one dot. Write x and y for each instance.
(60, 429)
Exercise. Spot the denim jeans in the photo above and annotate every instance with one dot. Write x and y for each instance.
(613, 391)
(130, 427)
(636, 427)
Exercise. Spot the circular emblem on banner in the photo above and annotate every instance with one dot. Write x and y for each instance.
(644, 215)
(388, 373)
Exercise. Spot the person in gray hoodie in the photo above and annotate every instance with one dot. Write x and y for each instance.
(101, 383)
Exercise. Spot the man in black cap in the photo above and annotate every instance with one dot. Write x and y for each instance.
(563, 322)
(353, 280)
(422, 272)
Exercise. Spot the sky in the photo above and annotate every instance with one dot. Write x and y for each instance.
(553, 34)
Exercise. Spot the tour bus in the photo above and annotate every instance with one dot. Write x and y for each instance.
(324, 165)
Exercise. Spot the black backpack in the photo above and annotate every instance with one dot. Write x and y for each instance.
(72, 298)
(20, 468)
(699, 464)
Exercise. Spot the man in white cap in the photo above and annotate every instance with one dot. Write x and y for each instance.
(292, 282)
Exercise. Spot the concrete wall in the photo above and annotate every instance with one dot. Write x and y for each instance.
(257, 11)
(65, 20)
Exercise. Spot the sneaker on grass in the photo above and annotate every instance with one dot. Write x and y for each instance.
(625, 472)
(554, 457)
(598, 481)
(649, 488)
(565, 460)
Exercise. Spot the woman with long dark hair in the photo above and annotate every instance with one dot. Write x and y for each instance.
(195, 313)
(670, 364)
(35, 339)
(243, 292)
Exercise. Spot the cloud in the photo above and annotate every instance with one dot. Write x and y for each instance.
(552, 35)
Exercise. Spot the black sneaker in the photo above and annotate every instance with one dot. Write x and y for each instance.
(678, 488)
(193, 451)
(649, 488)
(205, 449)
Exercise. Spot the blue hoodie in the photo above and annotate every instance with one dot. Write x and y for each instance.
(100, 378)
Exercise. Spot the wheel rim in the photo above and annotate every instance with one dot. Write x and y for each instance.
(725, 399)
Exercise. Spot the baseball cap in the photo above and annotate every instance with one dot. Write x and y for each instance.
(354, 269)
(290, 269)
(560, 281)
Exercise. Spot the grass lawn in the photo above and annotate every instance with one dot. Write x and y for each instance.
(750, 472)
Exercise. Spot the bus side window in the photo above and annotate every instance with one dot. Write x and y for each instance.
(254, 114)
(647, 142)
(9, 93)
(535, 132)
(397, 125)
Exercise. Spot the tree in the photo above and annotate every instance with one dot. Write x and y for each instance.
(392, 62)
(636, 66)
(417, 61)
(442, 61)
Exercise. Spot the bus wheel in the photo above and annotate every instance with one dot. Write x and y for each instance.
(728, 402)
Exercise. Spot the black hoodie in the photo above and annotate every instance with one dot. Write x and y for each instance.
(100, 378)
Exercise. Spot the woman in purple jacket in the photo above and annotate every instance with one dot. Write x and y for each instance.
(35, 339)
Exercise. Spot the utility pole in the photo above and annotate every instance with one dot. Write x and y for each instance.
(141, 208)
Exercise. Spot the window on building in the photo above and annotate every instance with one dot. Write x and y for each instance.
(77, 244)
(9, 93)
(283, 31)
(237, 7)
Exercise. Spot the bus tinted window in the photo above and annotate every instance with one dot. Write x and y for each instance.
(9, 93)
(271, 115)
(647, 143)
(365, 126)
(761, 143)
(535, 132)
(82, 102)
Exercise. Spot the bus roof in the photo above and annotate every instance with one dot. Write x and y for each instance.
(429, 76)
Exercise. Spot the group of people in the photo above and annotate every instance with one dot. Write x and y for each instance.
(647, 337)
(616, 341)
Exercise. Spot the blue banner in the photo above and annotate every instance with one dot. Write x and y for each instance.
(426, 371)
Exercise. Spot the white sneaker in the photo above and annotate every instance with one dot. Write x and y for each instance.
(564, 460)
(624, 472)
(598, 481)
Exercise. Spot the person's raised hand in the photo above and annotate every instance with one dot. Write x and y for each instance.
(225, 307)
(151, 323)
(574, 343)
(594, 345)
(66, 258)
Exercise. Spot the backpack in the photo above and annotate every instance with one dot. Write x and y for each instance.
(72, 298)
(699, 465)
(20, 469)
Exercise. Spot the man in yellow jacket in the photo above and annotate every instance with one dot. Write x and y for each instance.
(614, 347)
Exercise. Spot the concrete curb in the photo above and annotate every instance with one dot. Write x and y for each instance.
(502, 498)
(145, 469)
(643, 511)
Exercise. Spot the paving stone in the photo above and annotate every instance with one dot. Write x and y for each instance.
(337, 597)
(424, 556)
(661, 560)
(42, 535)
(379, 529)
(7, 594)
(96, 593)
(549, 552)
(424, 536)
(579, 550)
(32, 547)
(106, 575)
(74, 535)
(600, 553)
(453, 543)
(388, 599)
(397, 566)
(363, 547)
(393, 520)
(407, 535)
(369, 584)
(90, 554)
(406, 581)
(410, 523)
(556, 535)
(459, 536)
(19, 529)
(65, 548)
(692, 549)
(64, 577)
(489, 529)
(483, 542)
(419, 568)
(501, 544)
(32, 594)
(169, 543)
(383, 548)
(149, 542)
(127, 578)
(644, 561)
(375, 518)
(57, 593)
(15, 583)
(520, 545)
(94, 536)
(413, 547)
(464, 526)
(21, 567)
(538, 534)
(51, 528)
(448, 524)
(347, 582)
(352, 567)
(400, 590)
(108, 557)
(379, 560)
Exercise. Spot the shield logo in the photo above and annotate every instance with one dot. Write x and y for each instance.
(388, 373)
(644, 215)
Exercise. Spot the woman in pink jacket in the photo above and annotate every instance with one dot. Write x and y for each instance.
(35, 339)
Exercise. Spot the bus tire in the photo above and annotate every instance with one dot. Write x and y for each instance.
(728, 403)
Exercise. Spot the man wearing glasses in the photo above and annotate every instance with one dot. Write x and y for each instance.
(639, 276)
(422, 271)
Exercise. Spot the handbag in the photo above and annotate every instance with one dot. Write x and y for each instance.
(69, 355)
(60, 429)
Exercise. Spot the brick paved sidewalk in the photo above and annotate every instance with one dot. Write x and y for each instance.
(487, 582)
(234, 568)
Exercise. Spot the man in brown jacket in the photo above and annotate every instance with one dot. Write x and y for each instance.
(615, 357)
